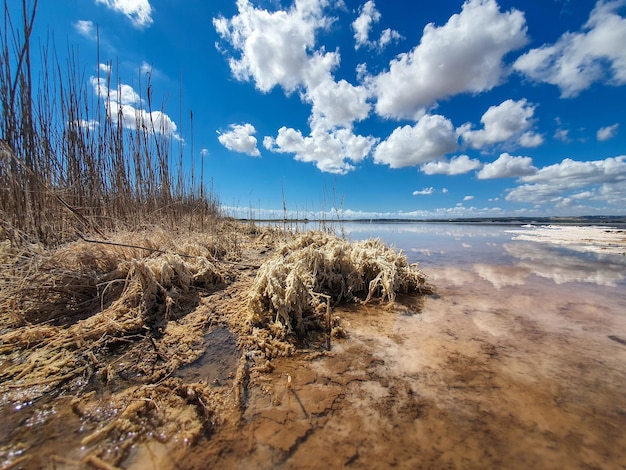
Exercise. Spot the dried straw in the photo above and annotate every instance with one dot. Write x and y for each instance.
(293, 288)
(68, 302)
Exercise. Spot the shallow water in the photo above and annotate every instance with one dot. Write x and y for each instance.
(519, 361)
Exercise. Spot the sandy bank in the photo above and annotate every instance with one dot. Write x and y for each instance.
(593, 239)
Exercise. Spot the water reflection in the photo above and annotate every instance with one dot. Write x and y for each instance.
(563, 265)
(491, 253)
(502, 276)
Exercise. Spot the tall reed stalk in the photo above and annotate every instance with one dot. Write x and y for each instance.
(69, 164)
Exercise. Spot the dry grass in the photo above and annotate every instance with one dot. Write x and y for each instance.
(124, 316)
(294, 289)
(73, 301)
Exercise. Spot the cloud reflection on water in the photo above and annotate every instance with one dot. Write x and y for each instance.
(502, 276)
(443, 250)
(563, 265)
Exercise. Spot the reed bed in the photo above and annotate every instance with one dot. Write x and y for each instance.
(70, 166)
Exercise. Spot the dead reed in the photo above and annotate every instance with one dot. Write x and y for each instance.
(69, 164)
(295, 289)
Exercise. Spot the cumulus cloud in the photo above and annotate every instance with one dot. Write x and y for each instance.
(85, 28)
(337, 103)
(456, 166)
(156, 122)
(332, 151)
(138, 11)
(606, 133)
(468, 198)
(424, 192)
(510, 121)
(577, 60)
(124, 105)
(105, 68)
(278, 48)
(507, 166)
(464, 55)
(432, 137)
(362, 26)
(570, 180)
(240, 139)
(124, 94)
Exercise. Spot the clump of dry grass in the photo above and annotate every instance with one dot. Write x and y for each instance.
(315, 269)
(70, 302)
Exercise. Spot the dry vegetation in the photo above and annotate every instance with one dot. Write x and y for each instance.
(114, 265)
(316, 270)
(111, 324)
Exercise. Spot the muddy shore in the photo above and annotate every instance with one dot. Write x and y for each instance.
(484, 374)
(465, 383)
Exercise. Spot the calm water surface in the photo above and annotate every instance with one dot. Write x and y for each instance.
(518, 361)
(490, 250)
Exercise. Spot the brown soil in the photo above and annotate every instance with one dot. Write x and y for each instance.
(505, 380)
(520, 376)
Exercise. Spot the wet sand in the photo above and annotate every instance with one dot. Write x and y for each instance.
(480, 378)
(516, 364)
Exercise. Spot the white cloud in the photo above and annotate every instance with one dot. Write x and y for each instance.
(577, 60)
(85, 28)
(90, 124)
(562, 183)
(106, 68)
(530, 140)
(124, 94)
(332, 151)
(125, 106)
(424, 192)
(507, 166)
(464, 55)
(156, 122)
(387, 37)
(468, 198)
(337, 103)
(510, 121)
(138, 11)
(275, 47)
(562, 135)
(278, 49)
(456, 166)
(606, 133)
(362, 27)
(240, 139)
(430, 138)
(363, 24)
(575, 173)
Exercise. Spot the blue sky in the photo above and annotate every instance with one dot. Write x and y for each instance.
(382, 109)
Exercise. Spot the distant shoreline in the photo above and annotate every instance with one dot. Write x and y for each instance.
(583, 220)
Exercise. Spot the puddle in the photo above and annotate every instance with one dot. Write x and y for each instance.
(218, 364)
